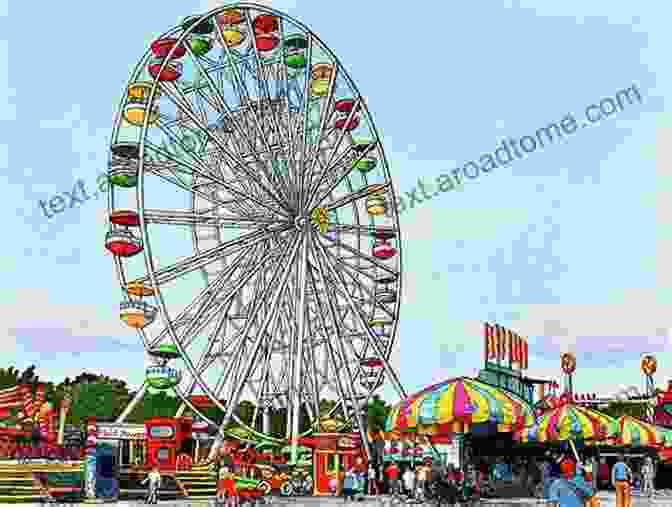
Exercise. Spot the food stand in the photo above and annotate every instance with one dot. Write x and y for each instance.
(333, 453)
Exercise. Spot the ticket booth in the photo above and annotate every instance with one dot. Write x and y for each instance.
(127, 441)
(333, 454)
(167, 438)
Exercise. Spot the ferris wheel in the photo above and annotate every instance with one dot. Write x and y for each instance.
(246, 169)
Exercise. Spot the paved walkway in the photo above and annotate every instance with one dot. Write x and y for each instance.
(607, 499)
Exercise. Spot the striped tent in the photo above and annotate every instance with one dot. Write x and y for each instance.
(456, 405)
(633, 432)
(569, 422)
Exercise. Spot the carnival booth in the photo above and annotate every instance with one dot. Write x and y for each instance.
(126, 440)
(333, 454)
(169, 440)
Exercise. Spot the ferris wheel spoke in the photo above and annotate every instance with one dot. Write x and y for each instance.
(359, 255)
(177, 181)
(191, 263)
(369, 230)
(209, 292)
(370, 336)
(277, 291)
(184, 217)
(349, 383)
(233, 401)
(222, 107)
(240, 86)
(361, 286)
(340, 389)
(204, 174)
(229, 370)
(344, 162)
(235, 161)
(348, 165)
(262, 82)
(315, 183)
(344, 201)
(311, 366)
(325, 106)
(262, 262)
(266, 373)
(301, 315)
(206, 312)
(284, 79)
(240, 207)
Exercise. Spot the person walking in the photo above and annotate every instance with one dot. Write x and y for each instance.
(621, 480)
(648, 472)
(374, 489)
(583, 491)
(154, 479)
(392, 474)
(408, 479)
(422, 478)
(349, 485)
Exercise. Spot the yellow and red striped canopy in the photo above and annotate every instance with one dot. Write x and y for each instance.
(569, 422)
(633, 432)
(454, 405)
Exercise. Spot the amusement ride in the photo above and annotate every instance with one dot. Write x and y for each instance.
(243, 144)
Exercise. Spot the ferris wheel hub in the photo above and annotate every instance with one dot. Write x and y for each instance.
(300, 222)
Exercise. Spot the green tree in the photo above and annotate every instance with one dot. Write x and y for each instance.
(153, 404)
(377, 413)
(94, 399)
(9, 377)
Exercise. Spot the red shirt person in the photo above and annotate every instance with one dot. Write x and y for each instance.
(568, 468)
(392, 474)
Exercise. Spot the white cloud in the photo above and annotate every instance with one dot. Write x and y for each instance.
(33, 311)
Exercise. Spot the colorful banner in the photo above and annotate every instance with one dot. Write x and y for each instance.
(501, 344)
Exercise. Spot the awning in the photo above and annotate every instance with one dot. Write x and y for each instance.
(455, 405)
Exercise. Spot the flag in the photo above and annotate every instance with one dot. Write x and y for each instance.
(514, 349)
(524, 359)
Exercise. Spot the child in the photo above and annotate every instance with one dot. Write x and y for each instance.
(154, 478)
(226, 487)
(349, 485)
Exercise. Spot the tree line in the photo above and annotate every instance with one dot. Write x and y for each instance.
(104, 397)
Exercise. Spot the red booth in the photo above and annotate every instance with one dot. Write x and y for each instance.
(167, 438)
(333, 454)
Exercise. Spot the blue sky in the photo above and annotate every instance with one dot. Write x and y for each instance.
(569, 246)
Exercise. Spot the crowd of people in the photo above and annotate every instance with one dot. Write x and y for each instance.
(528, 476)
(533, 477)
